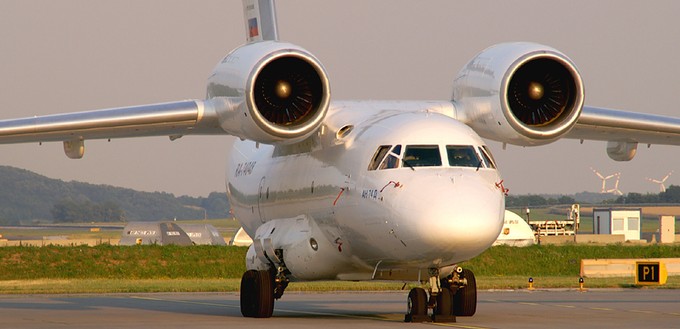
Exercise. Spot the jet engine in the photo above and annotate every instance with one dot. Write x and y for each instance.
(519, 93)
(273, 92)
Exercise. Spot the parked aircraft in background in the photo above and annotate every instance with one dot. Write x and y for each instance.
(365, 190)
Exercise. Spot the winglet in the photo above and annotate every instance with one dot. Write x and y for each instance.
(260, 19)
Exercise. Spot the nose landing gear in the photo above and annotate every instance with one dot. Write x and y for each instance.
(257, 294)
(259, 289)
(455, 295)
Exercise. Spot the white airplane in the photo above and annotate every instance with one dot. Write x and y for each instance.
(365, 190)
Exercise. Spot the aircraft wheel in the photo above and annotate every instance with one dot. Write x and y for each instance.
(257, 294)
(444, 303)
(417, 305)
(465, 299)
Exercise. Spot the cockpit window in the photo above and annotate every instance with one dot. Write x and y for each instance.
(378, 156)
(397, 150)
(392, 160)
(422, 156)
(463, 156)
(392, 156)
(488, 158)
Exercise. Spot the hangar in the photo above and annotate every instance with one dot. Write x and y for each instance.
(203, 234)
(165, 233)
(160, 233)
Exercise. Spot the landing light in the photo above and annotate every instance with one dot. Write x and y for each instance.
(344, 131)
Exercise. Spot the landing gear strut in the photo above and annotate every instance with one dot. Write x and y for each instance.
(455, 295)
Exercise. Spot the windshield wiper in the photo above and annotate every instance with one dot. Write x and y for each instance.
(408, 164)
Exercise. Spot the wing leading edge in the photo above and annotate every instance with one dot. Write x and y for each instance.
(624, 130)
(173, 119)
(616, 125)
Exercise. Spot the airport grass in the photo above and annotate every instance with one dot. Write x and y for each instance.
(121, 262)
(559, 260)
(137, 269)
(72, 286)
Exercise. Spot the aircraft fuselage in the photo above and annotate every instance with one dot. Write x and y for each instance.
(339, 208)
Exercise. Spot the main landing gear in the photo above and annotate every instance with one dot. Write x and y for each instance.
(259, 289)
(455, 295)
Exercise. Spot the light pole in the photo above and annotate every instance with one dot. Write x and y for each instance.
(528, 211)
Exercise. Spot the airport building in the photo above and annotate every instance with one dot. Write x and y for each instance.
(617, 221)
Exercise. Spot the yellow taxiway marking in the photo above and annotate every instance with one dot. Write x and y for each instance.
(454, 325)
(643, 311)
(387, 318)
(184, 302)
(600, 308)
(565, 306)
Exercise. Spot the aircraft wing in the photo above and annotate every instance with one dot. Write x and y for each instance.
(173, 119)
(621, 126)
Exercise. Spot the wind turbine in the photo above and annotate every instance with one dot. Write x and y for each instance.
(616, 190)
(604, 179)
(661, 182)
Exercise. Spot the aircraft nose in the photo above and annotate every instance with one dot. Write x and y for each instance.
(462, 218)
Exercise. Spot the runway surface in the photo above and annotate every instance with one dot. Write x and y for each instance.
(610, 308)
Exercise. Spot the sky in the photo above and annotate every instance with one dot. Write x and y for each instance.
(76, 55)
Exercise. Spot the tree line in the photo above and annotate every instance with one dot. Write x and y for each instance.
(26, 197)
(671, 195)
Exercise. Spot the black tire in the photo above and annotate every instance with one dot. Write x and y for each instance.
(248, 300)
(444, 303)
(417, 302)
(266, 292)
(257, 294)
(465, 299)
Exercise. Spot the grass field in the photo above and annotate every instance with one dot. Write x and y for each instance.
(105, 268)
(121, 262)
(108, 268)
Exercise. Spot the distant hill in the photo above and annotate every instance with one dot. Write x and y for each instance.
(26, 196)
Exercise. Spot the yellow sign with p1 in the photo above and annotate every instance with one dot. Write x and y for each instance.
(650, 273)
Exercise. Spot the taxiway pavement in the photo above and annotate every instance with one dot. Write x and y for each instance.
(607, 308)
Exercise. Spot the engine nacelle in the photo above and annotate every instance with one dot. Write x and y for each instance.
(519, 93)
(275, 92)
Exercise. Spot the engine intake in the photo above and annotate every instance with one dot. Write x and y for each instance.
(540, 92)
(519, 93)
(275, 92)
(288, 91)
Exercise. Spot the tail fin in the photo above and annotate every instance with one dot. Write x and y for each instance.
(260, 16)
